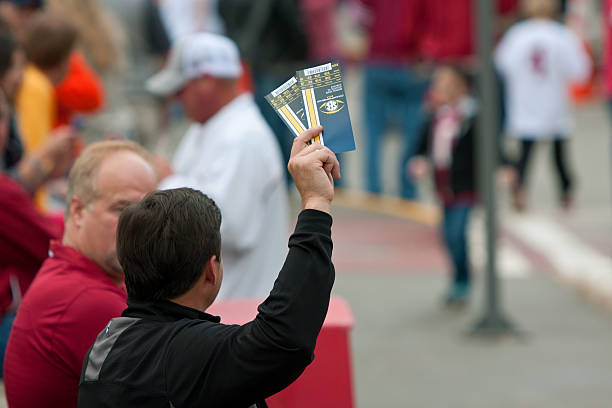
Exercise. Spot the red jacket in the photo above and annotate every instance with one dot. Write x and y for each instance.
(24, 241)
(71, 300)
(81, 91)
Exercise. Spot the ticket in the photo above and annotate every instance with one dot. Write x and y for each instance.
(325, 104)
(287, 102)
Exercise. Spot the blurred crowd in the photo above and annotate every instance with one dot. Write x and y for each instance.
(74, 73)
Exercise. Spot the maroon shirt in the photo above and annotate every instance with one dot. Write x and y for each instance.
(68, 304)
(24, 241)
(395, 29)
(449, 33)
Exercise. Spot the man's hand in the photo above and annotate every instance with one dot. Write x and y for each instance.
(313, 168)
(418, 168)
(58, 153)
(52, 160)
(507, 176)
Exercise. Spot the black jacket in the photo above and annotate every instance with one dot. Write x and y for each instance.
(270, 34)
(13, 151)
(464, 162)
(165, 355)
(463, 165)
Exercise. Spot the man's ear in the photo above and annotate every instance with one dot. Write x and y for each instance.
(75, 210)
(211, 271)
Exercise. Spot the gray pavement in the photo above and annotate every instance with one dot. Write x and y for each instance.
(410, 351)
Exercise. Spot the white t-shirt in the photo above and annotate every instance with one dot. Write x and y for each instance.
(185, 17)
(539, 59)
(235, 159)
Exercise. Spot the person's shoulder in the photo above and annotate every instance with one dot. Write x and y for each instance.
(99, 299)
(65, 280)
(34, 80)
(59, 291)
(11, 192)
(90, 309)
(250, 127)
(563, 32)
(206, 332)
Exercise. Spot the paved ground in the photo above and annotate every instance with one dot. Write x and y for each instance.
(409, 351)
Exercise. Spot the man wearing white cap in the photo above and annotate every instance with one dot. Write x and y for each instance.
(230, 154)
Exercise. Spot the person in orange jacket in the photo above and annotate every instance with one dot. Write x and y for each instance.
(81, 91)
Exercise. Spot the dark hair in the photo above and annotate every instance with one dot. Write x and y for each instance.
(49, 40)
(8, 46)
(464, 74)
(164, 242)
(33, 4)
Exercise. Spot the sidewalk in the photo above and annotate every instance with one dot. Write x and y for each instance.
(409, 351)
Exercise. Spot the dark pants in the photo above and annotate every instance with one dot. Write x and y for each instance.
(392, 93)
(454, 234)
(565, 179)
(5, 330)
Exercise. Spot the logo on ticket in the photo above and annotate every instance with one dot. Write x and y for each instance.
(331, 107)
(315, 96)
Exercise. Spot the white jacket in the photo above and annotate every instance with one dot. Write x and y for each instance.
(235, 159)
(538, 60)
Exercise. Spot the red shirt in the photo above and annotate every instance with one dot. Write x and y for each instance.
(24, 241)
(321, 28)
(395, 30)
(69, 303)
(607, 40)
(449, 28)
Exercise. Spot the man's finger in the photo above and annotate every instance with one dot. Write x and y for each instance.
(309, 149)
(328, 161)
(301, 141)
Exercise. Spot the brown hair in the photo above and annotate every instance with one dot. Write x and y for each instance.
(165, 241)
(49, 40)
(82, 177)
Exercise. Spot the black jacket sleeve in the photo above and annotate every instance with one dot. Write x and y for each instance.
(219, 365)
(423, 141)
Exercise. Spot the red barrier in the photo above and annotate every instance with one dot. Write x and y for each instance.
(327, 382)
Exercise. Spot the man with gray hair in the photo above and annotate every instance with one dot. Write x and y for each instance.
(79, 288)
(230, 154)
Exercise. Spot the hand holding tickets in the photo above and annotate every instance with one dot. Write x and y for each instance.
(315, 96)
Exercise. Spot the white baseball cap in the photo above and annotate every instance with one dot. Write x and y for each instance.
(193, 57)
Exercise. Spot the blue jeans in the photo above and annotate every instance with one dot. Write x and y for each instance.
(454, 234)
(392, 93)
(5, 331)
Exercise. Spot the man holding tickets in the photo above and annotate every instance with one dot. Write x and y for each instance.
(230, 154)
(164, 350)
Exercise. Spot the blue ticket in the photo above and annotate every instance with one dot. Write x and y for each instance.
(325, 104)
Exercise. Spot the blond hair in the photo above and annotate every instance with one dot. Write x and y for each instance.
(540, 8)
(82, 178)
(100, 33)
